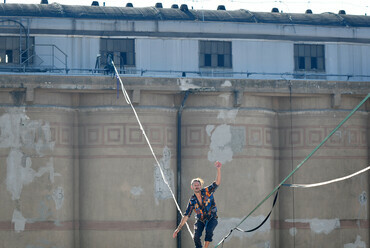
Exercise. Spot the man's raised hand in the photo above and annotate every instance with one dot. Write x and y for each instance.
(218, 164)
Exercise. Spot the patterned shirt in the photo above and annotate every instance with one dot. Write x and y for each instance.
(207, 209)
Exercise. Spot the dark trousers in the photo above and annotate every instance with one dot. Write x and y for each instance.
(199, 226)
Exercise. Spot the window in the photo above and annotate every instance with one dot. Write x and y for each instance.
(10, 50)
(9, 56)
(121, 50)
(309, 57)
(215, 54)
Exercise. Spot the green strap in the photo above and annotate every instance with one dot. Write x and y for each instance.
(304, 160)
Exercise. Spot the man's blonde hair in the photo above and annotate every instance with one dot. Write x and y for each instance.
(198, 179)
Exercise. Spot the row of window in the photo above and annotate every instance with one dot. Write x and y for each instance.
(212, 54)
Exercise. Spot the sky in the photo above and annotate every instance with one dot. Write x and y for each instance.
(354, 7)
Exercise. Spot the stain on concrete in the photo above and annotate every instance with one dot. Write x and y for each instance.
(363, 198)
(58, 197)
(161, 189)
(320, 225)
(293, 231)
(228, 115)
(227, 83)
(226, 224)
(44, 212)
(186, 84)
(263, 245)
(18, 220)
(357, 244)
(225, 98)
(225, 141)
(18, 97)
(42, 243)
(136, 191)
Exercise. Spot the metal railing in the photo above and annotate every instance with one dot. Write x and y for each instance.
(55, 55)
(135, 72)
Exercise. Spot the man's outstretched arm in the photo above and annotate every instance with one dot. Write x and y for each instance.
(182, 223)
(218, 177)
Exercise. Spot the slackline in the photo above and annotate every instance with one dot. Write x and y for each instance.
(127, 98)
(326, 182)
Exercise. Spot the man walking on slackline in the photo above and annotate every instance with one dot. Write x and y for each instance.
(203, 203)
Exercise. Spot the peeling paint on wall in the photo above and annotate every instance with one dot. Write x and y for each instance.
(19, 221)
(44, 213)
(238, 138)
(220, 149)
(209, 129)
(225, 141)
(20, 173)
(227, 83)
(363, 198)
(25, 138)
(320, 225)
(226, 224)
(161, 189)
(293, 231)
(228, 115)
(186, 84)
(58, 197)
(357, 244)
(17, 130)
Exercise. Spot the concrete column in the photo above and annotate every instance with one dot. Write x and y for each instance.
(123, 198)
(36, 147)
(244, 140)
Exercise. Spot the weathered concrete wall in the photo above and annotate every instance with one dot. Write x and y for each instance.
(78, 173)
(38, 166)
(335, 214)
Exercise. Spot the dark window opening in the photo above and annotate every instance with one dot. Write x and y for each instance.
(123, 59)
(9, 56)
(207, 60)
(314, 63)
(301, 63)
(220, 60)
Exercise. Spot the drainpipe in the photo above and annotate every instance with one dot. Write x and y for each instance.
(179, 113)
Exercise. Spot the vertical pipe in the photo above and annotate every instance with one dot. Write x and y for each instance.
(52, 56)
(179, 113)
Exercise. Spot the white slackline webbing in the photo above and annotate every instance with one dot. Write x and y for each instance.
(326, 182)
(127, 98)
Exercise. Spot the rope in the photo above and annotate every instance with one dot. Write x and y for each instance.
(326, 182)
(291, 155)
(263, 222)
(255, 228)
(127, 98)
(303, 161)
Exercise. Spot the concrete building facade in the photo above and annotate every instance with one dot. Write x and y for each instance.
(260, 91)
